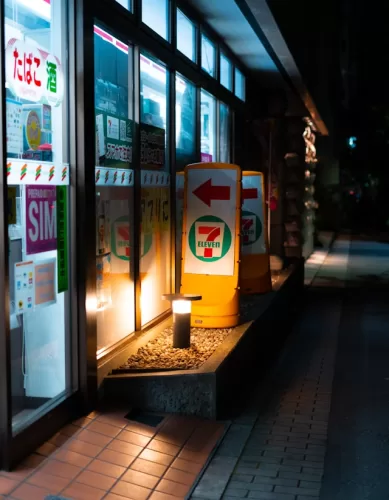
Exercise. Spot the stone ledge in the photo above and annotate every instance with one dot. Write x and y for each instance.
(220, 382)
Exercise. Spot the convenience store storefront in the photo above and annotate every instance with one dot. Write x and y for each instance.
(102, 105)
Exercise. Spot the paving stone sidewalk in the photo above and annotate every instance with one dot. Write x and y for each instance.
(276, 449)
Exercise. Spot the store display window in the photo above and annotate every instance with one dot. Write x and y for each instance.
(114, 178)
(155, 251)
(240, 85)
(185, 152)
(208, 127)
(155, 13)
(225, 72)
(186, 36)
(38, 184)
(224, 131)
(208, 56)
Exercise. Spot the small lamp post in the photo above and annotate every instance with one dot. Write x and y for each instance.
(182, 307)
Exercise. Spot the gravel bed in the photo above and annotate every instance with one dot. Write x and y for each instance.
(160, 354)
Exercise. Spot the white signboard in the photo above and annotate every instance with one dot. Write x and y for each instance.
(253, 229)
(210, 221)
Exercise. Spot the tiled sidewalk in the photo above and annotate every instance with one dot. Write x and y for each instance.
(276, 449)
(105, 456)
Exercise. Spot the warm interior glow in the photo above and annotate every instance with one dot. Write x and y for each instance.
(91, 303)
(146, 299)
(182, 307)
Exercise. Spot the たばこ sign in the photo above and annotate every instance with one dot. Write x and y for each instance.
(41, 219)
(33, 74)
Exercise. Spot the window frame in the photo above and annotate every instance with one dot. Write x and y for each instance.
(215, 47)
(238, 70)
(169, 22)
(194, 40)
(222, 55)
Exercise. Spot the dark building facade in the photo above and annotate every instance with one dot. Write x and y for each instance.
(102, 105)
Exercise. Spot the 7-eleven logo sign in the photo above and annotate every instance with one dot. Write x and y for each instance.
(121, 238)
(122, 233)
(209, 238)
(249, 229)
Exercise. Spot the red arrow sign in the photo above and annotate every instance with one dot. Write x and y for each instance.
(206, 192)
(250, 194)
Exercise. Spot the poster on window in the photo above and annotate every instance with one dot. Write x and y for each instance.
(24, 286)
(45, 283)
(113, 140)
(14, 127)
(33, 74)
(152, 147)
(120, 233)
(41, 224)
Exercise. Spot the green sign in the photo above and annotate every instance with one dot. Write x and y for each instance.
(62, 239)
(209, 238)
(113, 140)
(152, 147)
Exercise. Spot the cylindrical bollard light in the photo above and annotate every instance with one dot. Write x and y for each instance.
(181, 323)
(182, 307)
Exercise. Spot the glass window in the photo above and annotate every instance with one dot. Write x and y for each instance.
(126, 4)
(179, 222)
(185, 122)
(208, 56)
(114, 189)
(155, 14)
(186, 36)
(240, 85)
(155, 265)
(208, 127)
(224, 128)
(185, 152)
(225, 72)
(38, 199)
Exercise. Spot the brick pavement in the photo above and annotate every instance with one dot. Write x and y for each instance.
(276, 449)
(106, 456)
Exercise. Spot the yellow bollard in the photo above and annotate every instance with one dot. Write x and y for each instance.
(255, 274)
(211, 242)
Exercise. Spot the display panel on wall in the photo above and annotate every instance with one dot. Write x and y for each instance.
(114, 189)
(38, 199)
(155, 251)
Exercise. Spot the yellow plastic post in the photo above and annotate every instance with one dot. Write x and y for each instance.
(211, 242)
(255, 274)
